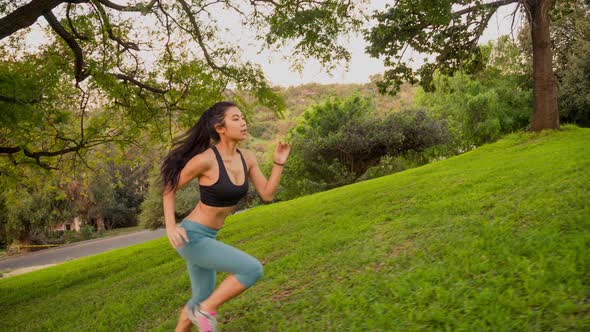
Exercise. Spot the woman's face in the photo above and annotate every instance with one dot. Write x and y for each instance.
(235, 125)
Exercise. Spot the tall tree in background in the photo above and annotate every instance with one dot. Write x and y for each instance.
(451, 29)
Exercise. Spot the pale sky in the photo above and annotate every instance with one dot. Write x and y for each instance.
(361, 65)
(279, 72)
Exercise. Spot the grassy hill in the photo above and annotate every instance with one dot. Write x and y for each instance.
(495, 239)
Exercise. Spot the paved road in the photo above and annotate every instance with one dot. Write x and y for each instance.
(77, 250)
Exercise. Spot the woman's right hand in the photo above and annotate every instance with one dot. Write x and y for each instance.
(175, 236)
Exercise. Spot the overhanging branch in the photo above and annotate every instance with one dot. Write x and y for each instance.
(138, 83)
(79, 71)
(140, 7)
(199, 36)
(490, 5)
(14, 100)
(28, 14)
(107, 26)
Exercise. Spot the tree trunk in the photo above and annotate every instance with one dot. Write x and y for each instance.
(23, 239)
(545, 113)
(99, 224)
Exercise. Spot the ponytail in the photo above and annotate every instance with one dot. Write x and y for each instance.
(191, 143)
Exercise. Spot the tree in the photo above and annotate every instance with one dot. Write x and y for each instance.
(33, 204)
(570, 36)
(451, 29)
(97, 52)
(338, 140)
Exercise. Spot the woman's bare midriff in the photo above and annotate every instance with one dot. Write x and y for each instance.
(210, 216)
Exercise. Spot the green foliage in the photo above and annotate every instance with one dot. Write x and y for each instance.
(337, 141)
(87, 231)
(482, 108)
(308, 170)
(47, 113)
(574, 92)
(429, 27)
(450, 30)
(33, 208)
(91, 63)
(327, 118)
(115, 193)
(3, 222)
(315, 27)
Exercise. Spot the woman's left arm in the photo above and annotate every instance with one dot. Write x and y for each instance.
(267, 188)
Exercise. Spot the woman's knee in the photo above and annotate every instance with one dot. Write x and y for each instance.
(258, 271)
(254, 273)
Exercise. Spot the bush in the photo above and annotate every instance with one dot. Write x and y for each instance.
(87, 231)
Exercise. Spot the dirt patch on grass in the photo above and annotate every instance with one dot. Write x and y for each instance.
(391, 251)
(402, 248)
(281, 295)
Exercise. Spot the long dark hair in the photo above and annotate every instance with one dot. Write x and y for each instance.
(192, 142)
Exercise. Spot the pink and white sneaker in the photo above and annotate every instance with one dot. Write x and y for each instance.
(205, 322)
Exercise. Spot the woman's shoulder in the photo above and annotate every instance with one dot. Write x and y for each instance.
(202, 160)
(249, 156)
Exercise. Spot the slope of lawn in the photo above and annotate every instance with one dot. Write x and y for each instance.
(495, 239)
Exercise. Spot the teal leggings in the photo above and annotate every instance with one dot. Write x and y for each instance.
(205, 256)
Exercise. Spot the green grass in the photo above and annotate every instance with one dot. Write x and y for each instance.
(493, 240)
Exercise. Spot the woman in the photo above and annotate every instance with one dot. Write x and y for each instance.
(222, 171)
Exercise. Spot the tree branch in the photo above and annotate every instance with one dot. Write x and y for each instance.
(140, 7)
(109, 30)
(71, 25)
(28, 14)
(77, 148)
(25, 16)
(138, 83)
(79, 71)
(199, 37)
(490, 5)
(9, 150)
(13, 100)
(38, 154)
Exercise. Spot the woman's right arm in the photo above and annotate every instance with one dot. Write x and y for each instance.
(194, 168)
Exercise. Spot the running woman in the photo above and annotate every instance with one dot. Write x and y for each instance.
(208, 151)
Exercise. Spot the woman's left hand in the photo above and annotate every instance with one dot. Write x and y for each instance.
(282, 152)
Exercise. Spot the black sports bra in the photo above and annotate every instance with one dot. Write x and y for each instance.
(224, 192)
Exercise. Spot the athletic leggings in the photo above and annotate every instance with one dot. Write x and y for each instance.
(205, 256)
